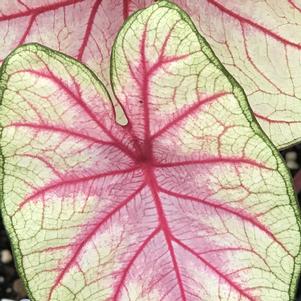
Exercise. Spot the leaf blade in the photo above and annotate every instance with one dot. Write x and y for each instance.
(172, 193)
(171, 138)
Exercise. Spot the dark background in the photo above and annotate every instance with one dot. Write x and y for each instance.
(11, 286)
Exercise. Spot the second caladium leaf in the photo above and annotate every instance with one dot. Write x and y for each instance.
(188, 201)
(259, 43)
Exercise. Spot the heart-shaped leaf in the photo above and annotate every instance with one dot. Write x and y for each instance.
(188, 201)
(258, 42)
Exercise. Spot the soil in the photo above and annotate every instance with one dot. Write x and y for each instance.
(11, 288)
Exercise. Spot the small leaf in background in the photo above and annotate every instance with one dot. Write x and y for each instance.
(188, 200)
(258, 42)
(82, 29)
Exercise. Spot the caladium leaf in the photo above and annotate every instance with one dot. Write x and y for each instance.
(257, 42)
(188, 201)
(82, 29)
